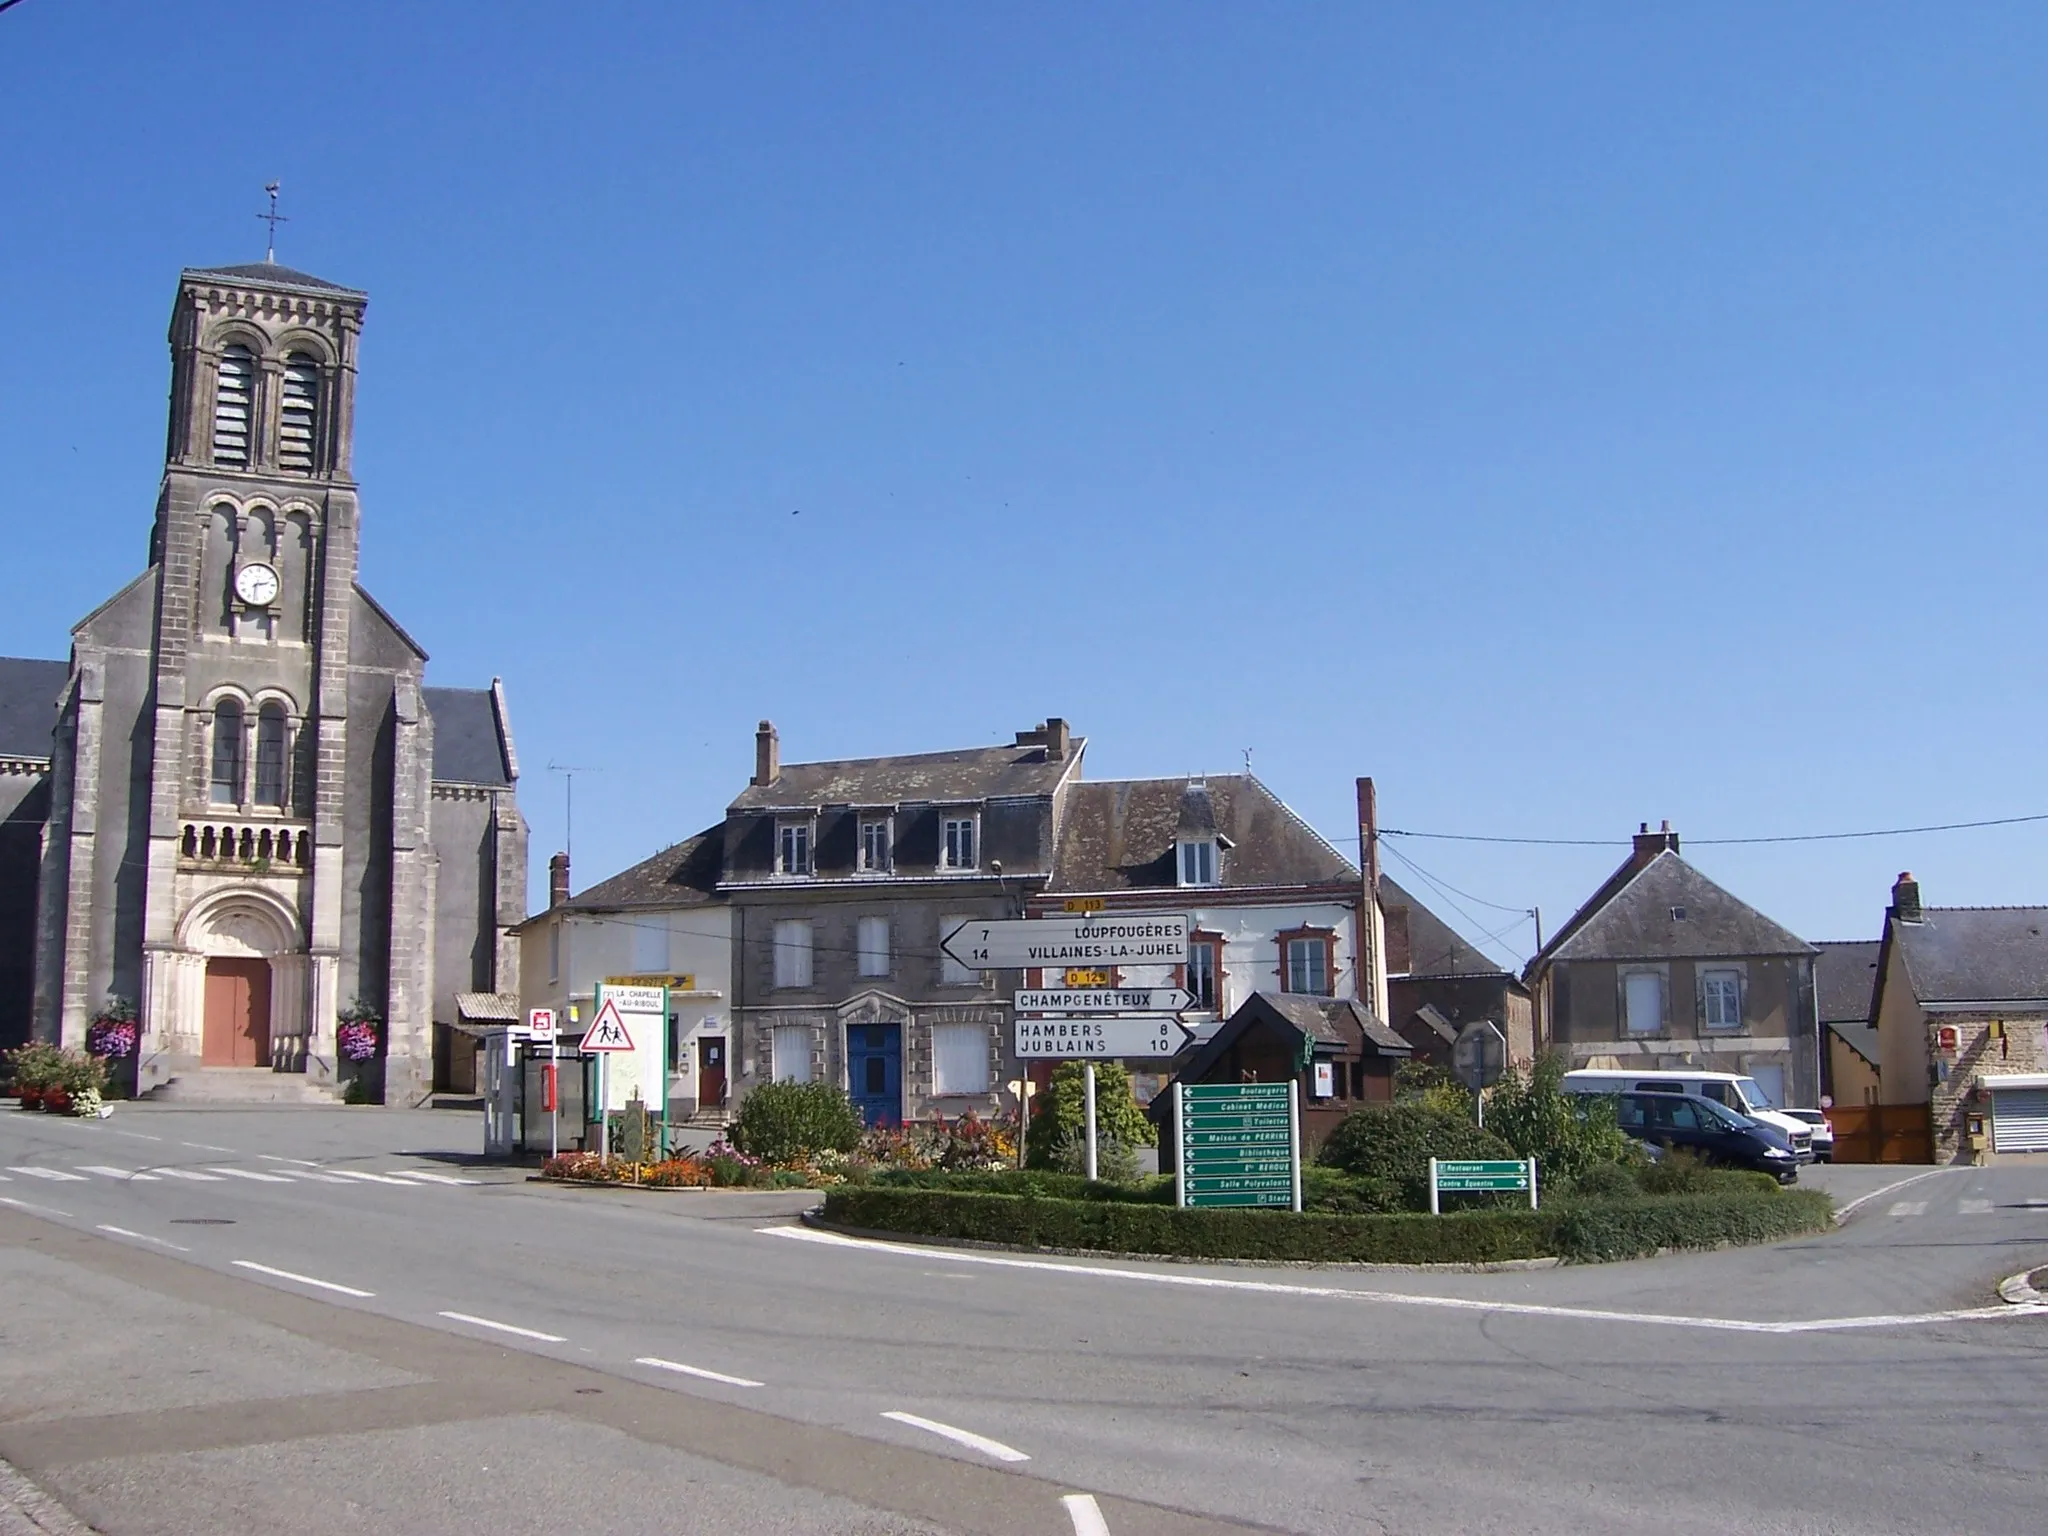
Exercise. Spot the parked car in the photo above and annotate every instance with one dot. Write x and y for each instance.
(1744, 1095)
(1823, 1132)
(1708, 1130)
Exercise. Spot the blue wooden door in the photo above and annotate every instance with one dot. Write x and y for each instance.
(874, 1071)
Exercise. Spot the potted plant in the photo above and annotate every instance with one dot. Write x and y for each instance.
(357, 1040)
(34, 1068)
(114, 1037)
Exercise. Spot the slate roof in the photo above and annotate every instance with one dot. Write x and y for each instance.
(1323, 1017)
(976, 773)
(1860, 1038)
(1845, 979)
(1637, 921)
(1433, 1021)
(28, 704)
(468, 747)
(276, 275)
(1121, 835)
(684, 874)
(1958, 955)
(1434, 948)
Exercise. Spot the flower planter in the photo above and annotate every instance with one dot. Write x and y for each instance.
(57, 1101)
(31, 1098)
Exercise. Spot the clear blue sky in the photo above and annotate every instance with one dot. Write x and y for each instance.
(1569, 415)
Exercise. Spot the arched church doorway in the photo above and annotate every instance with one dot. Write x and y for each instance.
(237, 1020)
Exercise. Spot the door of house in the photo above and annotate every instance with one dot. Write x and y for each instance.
(711, 1072)
(874, 1072)
(237, 1027)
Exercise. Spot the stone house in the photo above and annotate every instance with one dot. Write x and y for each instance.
(842, 877)
(254, 809)
(1662, 968)
(1961, 1009)
(662, 922)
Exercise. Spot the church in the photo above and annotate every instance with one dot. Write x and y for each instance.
(238, 807)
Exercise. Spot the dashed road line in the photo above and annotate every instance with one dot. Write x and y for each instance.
(271, 1157)
(54, 1174)
(958, 1436)
(246, 1173)
(286, 1274)
(106, 1172)
(1973, 1207)
(1908, 1208)
(142, 1237)
(207, 1146)
(1404, 1298)
(524, 1333)
(138, 1136)
(695, 1370)
(30, 1205)
(1085, 1513)
(1843, 1213)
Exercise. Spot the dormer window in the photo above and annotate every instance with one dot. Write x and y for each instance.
(793, 848)
(298, 411)
(957, 850)
(232, 403)
(876, 846)
(1198, 862)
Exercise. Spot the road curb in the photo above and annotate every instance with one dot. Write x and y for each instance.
(43, 1514)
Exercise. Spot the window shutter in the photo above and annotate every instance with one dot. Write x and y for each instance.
(298, 412)
(231, 407)
(959, 1059)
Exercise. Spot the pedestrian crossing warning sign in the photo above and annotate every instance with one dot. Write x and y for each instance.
(607, 1031)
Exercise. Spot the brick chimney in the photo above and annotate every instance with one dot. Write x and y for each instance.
(558, 879)
(1649, 844)
(767, 755)
(1054, 736)
(1906, 898)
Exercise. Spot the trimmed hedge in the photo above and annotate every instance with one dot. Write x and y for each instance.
(1591, 1231)
(1205, 1233)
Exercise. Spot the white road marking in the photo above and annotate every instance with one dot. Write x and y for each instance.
(1973, 1207)
(302, 1162)
(205, 1146)
(1086, 1514)
(245, 1173)
(695, 1370)
(116, 1173)
(966, 1437)
(1842, 1213)
(30, 1205)
(1908, 1208)
(47, 1173)
(1402, 1298)
(313, 1175)
(432, 1178)
(190, 1173)
(524, 1333)
(144, 1237)
(4, 1179)
(375, 1178)
(285, 1274)
(138, 1136)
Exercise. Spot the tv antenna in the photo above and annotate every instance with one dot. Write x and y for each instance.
(568, 771)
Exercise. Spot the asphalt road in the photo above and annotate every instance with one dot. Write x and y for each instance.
(700, 1362)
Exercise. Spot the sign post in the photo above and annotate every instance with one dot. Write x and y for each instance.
(1239, 1144)
(540, 1025)
(1090, 1098)
(606, 1038)
(1480, 1059)
(1500, 1175)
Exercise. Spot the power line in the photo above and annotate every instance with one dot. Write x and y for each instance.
(1714, 842)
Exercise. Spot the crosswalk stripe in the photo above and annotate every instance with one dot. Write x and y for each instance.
(190, 1173)
(260, 1178)
(47, 1173)
(435, 1178)
(375, 1178)
(316, 1177)
(116, 1173)
(1973, 1207)
(1908, 1208)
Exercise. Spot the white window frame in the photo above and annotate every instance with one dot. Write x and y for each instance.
(1661, 1023)
(801, 837)
(873, 960)
(948, 848)
(1214, 952)
(885, 827)
(1323, 963)
(1204, 853)
(799, 1041)
(950, 1053)
(951, 972)
(1712, 982)
(793, 968)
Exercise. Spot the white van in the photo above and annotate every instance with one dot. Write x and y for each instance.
(1741, 1094)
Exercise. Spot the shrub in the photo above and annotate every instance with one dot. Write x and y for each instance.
(1603, 1181)
(1393, 1143)
(1115, 1163)
(788, 1122)
(1679, 1172)
(1062, 1112)
(1125, 1226)
(1336, 1193)
(1632, 1229)
(1045, 1183)
(1567, 1133)
(35, 1067)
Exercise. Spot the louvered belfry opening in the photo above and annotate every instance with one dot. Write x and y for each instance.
(232, 403)
(298, 412)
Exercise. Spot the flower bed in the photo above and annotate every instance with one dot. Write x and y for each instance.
(589, 1168)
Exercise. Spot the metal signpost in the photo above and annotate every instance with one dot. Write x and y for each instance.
(1087, 940)
(1110, 1037)
(1238, 1144)
(1479, 1058)
(1501, 1175)
(606, 1036)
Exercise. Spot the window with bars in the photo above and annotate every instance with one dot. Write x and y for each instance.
(227, 752)
(874, 946)
(958, 842)
(270, 732)
(298, 412)
(875, 851)
(233, 402)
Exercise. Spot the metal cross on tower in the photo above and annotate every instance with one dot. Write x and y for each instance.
(273, 219)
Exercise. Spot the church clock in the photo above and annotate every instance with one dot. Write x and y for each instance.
(256, 585)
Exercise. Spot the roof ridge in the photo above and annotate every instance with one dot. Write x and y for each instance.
(2008, 907)
(1302, 822)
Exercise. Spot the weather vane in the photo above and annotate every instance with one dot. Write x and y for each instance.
(273, 219)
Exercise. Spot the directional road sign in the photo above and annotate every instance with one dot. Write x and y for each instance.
(1479, 1056)
(607, 1031)
(1105, 1036)
(1237, 1144)
(1106, 1000)
(1108, 938)
(1506, 1175)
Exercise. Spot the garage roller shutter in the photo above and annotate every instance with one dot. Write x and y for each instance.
(2019, 1120)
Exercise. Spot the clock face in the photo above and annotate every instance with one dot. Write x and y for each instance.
(256, 585)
